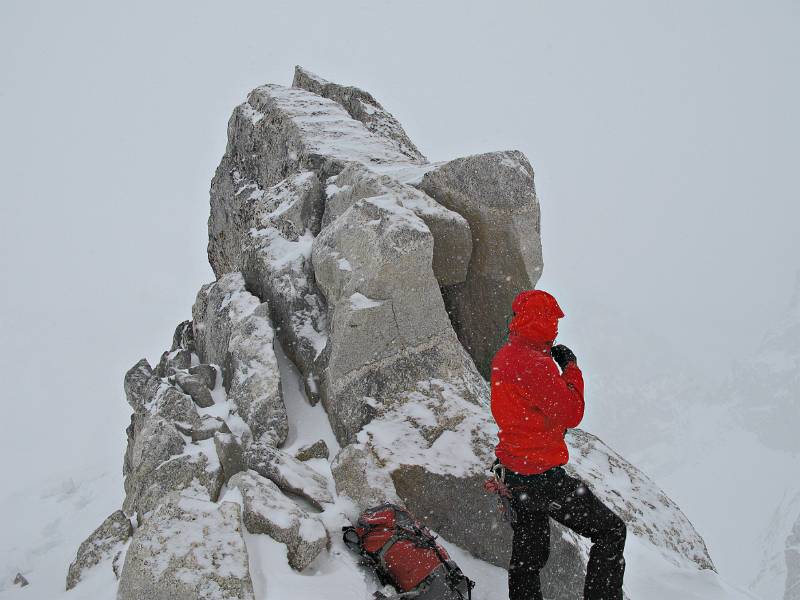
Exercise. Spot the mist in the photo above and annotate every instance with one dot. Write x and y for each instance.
(664, 137)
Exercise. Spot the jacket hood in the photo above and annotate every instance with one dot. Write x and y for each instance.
(536, 315)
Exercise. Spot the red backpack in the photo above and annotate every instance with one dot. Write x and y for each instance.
(405, 554)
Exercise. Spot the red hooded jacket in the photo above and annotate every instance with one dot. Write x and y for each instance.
(533, 402)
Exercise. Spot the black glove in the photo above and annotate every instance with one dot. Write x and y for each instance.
(562, 355)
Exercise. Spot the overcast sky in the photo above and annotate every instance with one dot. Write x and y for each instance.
(664, 136)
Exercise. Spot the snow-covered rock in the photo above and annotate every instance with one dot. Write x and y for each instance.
(318, 449)
(205, 429)
(151, 442)
(172, 361)
(183, 338)
(197, 472)
(172, 405)
(390, 332)
(230, 454)
(288, 473)
(362, 107)
(359, 477)
(189, 549)
(207, 373)
(140, 385)
(232, 329)
(452, 242)
(196, 386)
(267, 510)
(647, 510)
(105, 543)
(277, 265)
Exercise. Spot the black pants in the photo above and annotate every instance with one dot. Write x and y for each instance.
(554, 494)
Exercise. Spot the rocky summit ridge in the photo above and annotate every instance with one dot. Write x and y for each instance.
(386, 281)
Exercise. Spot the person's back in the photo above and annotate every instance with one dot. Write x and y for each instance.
(534, 404)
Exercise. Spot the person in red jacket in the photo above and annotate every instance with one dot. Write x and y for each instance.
(534, 403)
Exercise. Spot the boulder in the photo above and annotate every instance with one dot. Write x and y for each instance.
(19, 579)
(318, 449)
(205, 430)
(495, 193)
(196, 387)
(266, 510)
(389, 329)
(230, 454)
(358, 476)
(171, 404)
(172, 361)
(140, 386)
(189, 549)
(106, 542)
(183, 338)
(232, 329)
(452, 242)
(153, 442)
(196, 473)
(160, 461)
(207, 373)
(363, 107)
(290, 475)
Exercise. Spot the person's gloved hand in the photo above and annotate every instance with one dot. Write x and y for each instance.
(562, 355)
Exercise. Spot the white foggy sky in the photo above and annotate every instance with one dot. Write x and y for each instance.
(664, 136)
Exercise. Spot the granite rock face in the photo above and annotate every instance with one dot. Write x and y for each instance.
(389, 329)
(495, 193)
(189, 549)
(232, 329)
(452, 242)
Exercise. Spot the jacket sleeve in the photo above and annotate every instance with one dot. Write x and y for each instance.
(558, 395)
